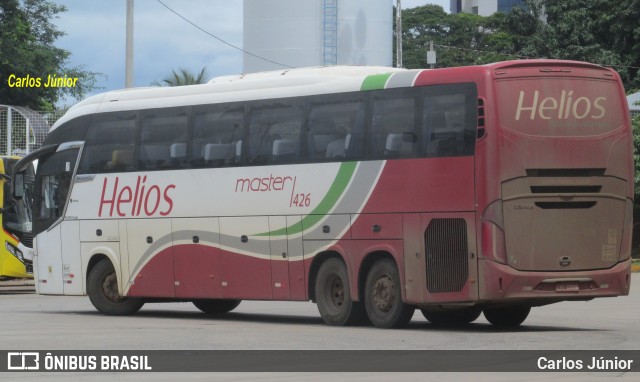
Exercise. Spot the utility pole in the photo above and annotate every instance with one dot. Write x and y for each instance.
(431, 56)
(398, 34)
(128, 62)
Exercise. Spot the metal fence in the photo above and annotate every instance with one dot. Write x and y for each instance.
(23, 130)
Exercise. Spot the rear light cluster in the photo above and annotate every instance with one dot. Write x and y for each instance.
(493, 238)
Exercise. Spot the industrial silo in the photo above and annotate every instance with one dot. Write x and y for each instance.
(302, 33)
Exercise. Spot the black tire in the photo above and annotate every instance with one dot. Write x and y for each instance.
(216, 306)
(507, 316)
(452, 317)
(383, 296)
(333, 295)
(102, 288)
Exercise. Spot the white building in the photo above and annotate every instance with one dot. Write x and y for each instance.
(634, 103)
(484, 7)
(316, 33)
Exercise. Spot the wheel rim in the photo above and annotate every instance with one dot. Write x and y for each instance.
(383, 293)
(336, 293)
(110, 287)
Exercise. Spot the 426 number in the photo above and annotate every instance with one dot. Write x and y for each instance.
(301, 200)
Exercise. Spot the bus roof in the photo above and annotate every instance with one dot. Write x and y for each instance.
(281, 84)
(544, 62)
(263, 85)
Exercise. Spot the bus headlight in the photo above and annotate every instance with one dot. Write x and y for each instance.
(14, 251)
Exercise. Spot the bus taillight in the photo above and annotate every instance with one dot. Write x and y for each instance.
(493, 239)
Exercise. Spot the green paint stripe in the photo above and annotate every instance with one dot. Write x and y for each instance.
(340, 183)
(375, 81)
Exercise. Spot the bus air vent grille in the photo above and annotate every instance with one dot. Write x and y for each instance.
(446, 255)
(565, 172)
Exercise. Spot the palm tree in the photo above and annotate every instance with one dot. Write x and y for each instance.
(184, 77)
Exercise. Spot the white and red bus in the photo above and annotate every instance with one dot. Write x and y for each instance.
(370, 191)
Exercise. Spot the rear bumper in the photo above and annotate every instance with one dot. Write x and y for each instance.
(501, 282)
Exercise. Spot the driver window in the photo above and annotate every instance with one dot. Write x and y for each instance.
(53, 186)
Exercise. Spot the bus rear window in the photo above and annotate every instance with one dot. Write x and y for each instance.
(560, 107)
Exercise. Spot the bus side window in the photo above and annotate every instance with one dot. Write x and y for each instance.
(274, 134)
(163, 137)
(110, 144)
(216, 136)
(336, 126)
(73, 130)
(393, 125)
(449, 121)
(323, 134)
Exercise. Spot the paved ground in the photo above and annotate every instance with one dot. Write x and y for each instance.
(51, 322)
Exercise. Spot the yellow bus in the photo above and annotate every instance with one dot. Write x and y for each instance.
(16, 253)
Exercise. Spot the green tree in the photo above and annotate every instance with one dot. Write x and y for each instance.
(636, 154)
(27, 48)
(460, 39)
(635, 247)
(184, 77)
(603, 32)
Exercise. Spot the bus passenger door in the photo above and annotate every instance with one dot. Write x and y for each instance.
(47, 263)
(58, 265)
(196, 258)
(150, 256)
(57, 241)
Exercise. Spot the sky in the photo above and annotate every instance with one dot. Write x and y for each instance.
(95, 36)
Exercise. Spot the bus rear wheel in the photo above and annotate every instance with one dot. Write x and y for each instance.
(461, 316)
(216, 306)
(102, 288)
(333, 295)
(383, 296)
(507, 316)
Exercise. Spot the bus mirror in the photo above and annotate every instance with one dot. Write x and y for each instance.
(18, 186)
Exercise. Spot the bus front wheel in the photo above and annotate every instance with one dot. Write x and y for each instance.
(102, 288)
(216, 306)
(383, 296)
(507, 316)
(333, 295)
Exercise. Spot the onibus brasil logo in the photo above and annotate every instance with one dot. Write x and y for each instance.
(32, 361)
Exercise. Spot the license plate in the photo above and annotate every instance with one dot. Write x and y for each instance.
(567, 288)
